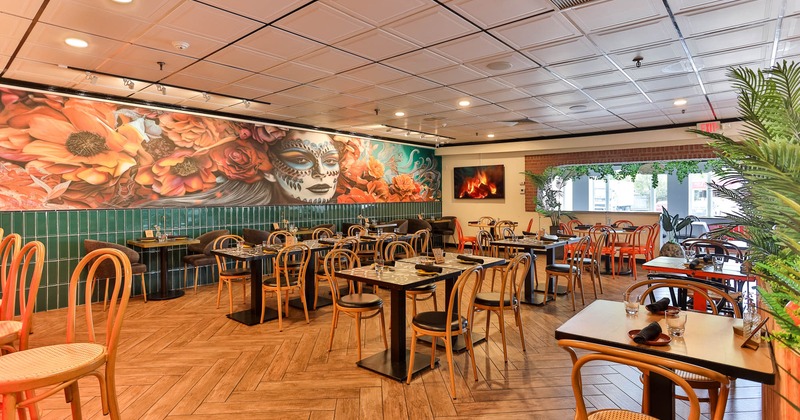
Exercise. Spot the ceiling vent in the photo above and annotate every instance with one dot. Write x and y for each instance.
(566, 4)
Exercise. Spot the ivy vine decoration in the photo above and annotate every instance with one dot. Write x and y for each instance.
(680, 168)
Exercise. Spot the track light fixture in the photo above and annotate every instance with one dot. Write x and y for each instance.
(128, 83)
(206, 96)
(161, 89)
(246, 103)
(407, 132)
(91, 78)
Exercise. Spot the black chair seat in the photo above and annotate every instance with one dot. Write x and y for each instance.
(559, 268)
(360, 300)
(430, 287)
(587, 261)
(437, 321)
(198, 260)
(231, 272)
(271, 282)
(491, 299)
(138, 268)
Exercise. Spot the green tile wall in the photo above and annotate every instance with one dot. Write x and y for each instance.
(63, 232)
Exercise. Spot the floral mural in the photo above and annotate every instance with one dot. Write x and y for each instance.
(60, 152)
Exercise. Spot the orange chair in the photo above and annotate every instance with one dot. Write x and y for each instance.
(622, 223)
(25, 273)
(610, 249)
(463, 240)
(637, 245)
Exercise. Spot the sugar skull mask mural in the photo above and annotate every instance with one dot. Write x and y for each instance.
(65, 152)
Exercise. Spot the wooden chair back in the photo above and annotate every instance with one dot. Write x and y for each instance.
(655, 234)
(349, 242)
(622, 223)
(484, 243)
(565, 228)
(462, 298)
(399, 247)
(115, 313)
(596, 245)
(421, 240)
(501, 227)
(337, 260)
(511, 284)
(227, 241)
(382, 242)
(487, 220)
(292, 260)
(572, 223)
(279, 237)
(712, 246)
(647, 363)
(700, 290)
(24, 273)
(9, 247)
(639, 237)
(322, 232)
(353, 229)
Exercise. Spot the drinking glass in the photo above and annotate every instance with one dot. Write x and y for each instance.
(718, 261)
(631, 303)
(676, 322)
(338, 235)
(379, 263)
(690, 254)
(239, 246)
(467, 251)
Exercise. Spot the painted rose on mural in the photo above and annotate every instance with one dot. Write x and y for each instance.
(65, 152)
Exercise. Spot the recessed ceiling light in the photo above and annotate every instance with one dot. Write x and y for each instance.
(463, 103)
(491, 136)
(499, 65)
(679, 102)
(399, 114)
(76, 42)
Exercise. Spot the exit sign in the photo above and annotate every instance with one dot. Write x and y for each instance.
(709, 127)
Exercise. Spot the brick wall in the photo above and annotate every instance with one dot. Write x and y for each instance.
(538, 163)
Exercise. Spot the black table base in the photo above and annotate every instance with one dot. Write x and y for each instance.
(538, 299)
(381, 363)
(252, 317)
(166, 295)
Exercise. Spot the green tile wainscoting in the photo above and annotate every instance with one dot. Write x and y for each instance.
(63, 232)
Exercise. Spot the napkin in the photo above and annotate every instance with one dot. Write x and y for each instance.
(658, 306)
(389, 263)
(428, 268)
(648, 333)
(525, 232)
(470, 259)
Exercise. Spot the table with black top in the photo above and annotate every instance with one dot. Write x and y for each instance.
(164, 292)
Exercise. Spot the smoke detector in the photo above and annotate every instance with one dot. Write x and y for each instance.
(180, 45)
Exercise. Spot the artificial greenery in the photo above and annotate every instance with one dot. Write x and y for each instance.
(762, 174)
(680, 168)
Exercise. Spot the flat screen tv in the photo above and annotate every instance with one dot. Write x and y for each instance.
(479, 182)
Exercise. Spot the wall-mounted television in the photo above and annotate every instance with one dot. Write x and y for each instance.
(479, 182)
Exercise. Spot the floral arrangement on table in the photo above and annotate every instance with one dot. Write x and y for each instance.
(59, 152)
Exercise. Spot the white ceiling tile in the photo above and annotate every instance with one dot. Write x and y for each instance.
(419, 62)
(240, 91)
(670, 95)
(517, 62)
(215, 103)
(690, 117)
(526, 77)
(193, 82)
(601, 15)
(209, 70)
(322, 23)
(342, 100)
(724, 86)
(727, 112)
(244, 58)
(585, 67)
(619, 101)
(338, 83)
(788, 48)
(161, 37)
(374, 93)
(442, 94)
(405, 101)
(32, 71)
(12, 29)
(669, 82)
(332, 60)
(470, 48)
(733, 39)
(452, 75)
(376, 12)
(599, 79)
(376, 74)
(480, 86)
(658, 70)
(612, 91)
(732, 58)
(546, 88)
(637, 36)
(266, 84)
(308, 92)
(570, 50)
(430, 27)
(537, 30)
(93, 19)
(46, 44)
(650, 121)
(296, 72)
(279, 99)
(731, 15)
(497, 12)
(410, 84)
(652, 54)
(264, 11)
(503, 95)
(377, 45)
(559, 99)
(526, 104)
(790, 27)
(209, 22)
(279, 43)
(141, 63)
(26, 9)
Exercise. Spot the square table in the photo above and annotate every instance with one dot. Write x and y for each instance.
(709, 341)
(163, 293)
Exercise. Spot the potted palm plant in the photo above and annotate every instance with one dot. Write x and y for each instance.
(549, 193)
(672, 225)
(762, 173)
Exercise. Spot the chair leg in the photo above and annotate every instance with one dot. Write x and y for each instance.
(280, 311)
(334, 323)
(10, 402)
(185, 270)
(219, 291)
(411, 356)
(503, 334)
(196, 278)
(358, 334)
(518, 319)
(305, 305)
(448, 344)
(144, 289)
(74, 398)
(230, 297)
(713, 397)
(264, 309)
(488, 315)
(383, 330)
(471, 350)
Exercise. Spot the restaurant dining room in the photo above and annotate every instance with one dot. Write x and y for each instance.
(364, 209)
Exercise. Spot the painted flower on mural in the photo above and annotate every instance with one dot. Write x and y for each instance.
(85, 147)
(241, 160)
(19, 189)
(195, 132)
(180, 173)
(405, 188)
(266, 133)
(375, 168)
(379, 189)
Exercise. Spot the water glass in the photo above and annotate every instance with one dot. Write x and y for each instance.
(718, 261)
(379, 263)
(338, 235)
(467, 251)
(676, 322)
(263, 244)
(690, 254)
(239, 246)
(631, 301)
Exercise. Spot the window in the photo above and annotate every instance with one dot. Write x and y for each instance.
(627, 195)
(702, 200)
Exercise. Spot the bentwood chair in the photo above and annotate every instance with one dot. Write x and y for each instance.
(699, 290)
(356, 229)
(419, 293)
(288, 276)
(319, 275)
(622, 223)
(24, 273)
(421, 241)
(449, 323)
(322, 232)
(9, 246)
(647, 363)
(507, 299)
(200, 255)
(571, 270)
(230, 270)
(591, 262)
(106, 271)
(59, 367)
(636, 245)
(356, 304)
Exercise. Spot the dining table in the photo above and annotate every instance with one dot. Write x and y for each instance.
(533, 245)
(250, 255)
(164, 292)
(709, 341)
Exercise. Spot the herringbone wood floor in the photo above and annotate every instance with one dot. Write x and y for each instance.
(183, 358)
